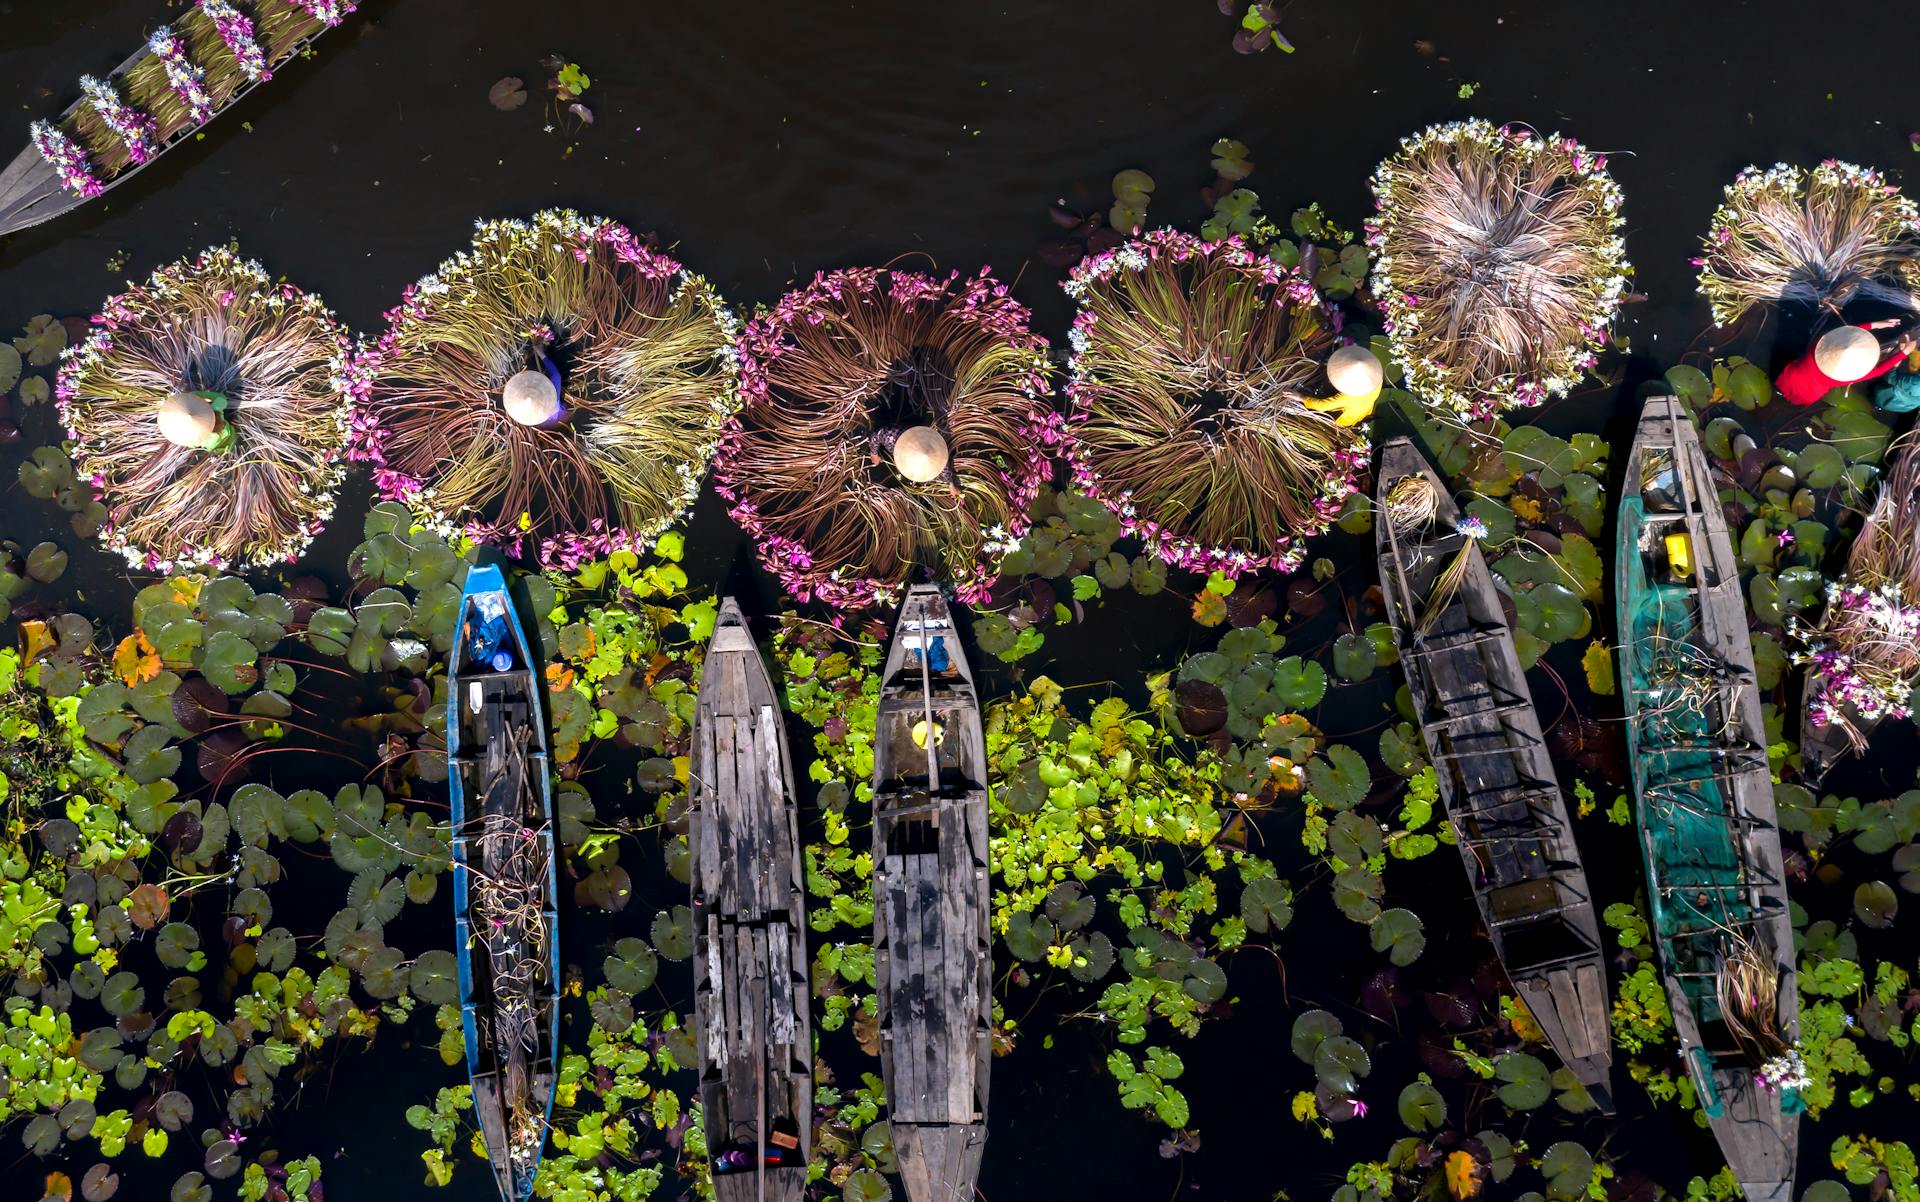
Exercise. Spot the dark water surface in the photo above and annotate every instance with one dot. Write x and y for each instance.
(764, 141)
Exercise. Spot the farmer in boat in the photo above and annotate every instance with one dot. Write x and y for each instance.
(1846, 355)
(919, 385)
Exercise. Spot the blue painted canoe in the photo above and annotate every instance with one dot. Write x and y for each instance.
(506, 934)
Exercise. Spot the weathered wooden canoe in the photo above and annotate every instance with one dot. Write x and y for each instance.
(933, 954)
(751, 991)
(1706, 813)
(1495, 777)
(31, 191)
(506, 934)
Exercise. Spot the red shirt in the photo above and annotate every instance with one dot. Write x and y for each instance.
(1803, 383)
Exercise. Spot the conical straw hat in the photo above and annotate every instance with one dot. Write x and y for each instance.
(1846, 353)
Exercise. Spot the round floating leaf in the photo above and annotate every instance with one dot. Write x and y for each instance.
(1357, 893)
(198, 705)
(102, 712)
(1354, 838)
(1298, 683)
(87, 980)
(122, 994)
(41, 1135)
(99, 1183)
(46, 562)
(610, 887)
(612, 1012)
(274, 952)
(865, 1185)
(434, 978)
(375, 898)
(1093, 957)
(1029, 935)
(421, 886)
(1310, 1029)
(1206, 981)
(175, 944)
(223, 1159)
(1826, 1191)
(1266, 905)
(149, 756)
(229, 661)
(383, 972)
(1354, 657)
(191, 1187)
(1562, 615)
(173, 1109)
(1528, 1083)
(1340, 1062)
(76, 1118)
(1069, 906)
(1400, 934)
(632, 967)
(1422, 1108)
(1875, 904)
(1568, 1168)
(1339, 780)
(673, 933)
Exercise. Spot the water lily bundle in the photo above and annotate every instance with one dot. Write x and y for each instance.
(1499, 262)
(266, 366)
(640, 352)
(191, 69)
(844, 374)
(1819, 237)
(1863, 660)
(1192, 365)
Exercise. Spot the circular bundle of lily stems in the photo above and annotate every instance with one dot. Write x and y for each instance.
(1819, 237)
(1192, 362)
(1499, 262)
(644, 351)
(835, 366)
(270, 359)
(1864, 660)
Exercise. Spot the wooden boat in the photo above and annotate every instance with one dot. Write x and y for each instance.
(32, 192)
(933, 954)
(506, 934)
(1706, 813)
(1495, 777)
(751, 991)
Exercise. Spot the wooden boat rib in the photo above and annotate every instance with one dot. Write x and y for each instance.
(1495, 777)
(31, 192)
(1706, 812)
(933, 954)
(506, 930)
(751, 991)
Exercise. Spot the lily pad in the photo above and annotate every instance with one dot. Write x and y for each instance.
(1299, 684)
(673, 933)
(1422, 1108)
(434, 978)
(1875, 904)
(1527, 1082)
(1266, 905)
(1340, 779)
(1310, 1030)
(1400, 934)
(632, 967)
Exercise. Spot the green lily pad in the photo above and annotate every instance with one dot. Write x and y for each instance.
(632, 967)
(1340, 779)
(1691, 385)
(46, 562)
(1568, 1168)
(1354, 657)
(1400, 934)
(1266, 905)
(673, 933)
(1310, 1030)
(1422, 1108)
(434, 978)
(229, 661)
(1527, 1082)
(1029, 935)
(1299, 684)
(1875, 904)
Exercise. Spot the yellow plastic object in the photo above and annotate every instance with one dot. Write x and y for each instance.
(920, 733)
(1680, 555)
(1349, 410)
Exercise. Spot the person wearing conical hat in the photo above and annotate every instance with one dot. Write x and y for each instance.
(1845, 355)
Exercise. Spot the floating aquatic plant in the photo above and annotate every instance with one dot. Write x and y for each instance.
(642, 350)
(1191, 364)
(1818, 237)
(268, 360)
(1499, 263)
(833, 369)
(1863, 660)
